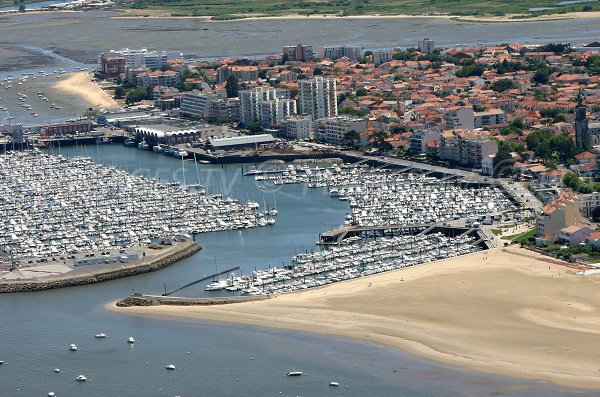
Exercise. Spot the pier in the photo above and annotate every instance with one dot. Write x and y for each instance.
(212, 276)
(338, 235)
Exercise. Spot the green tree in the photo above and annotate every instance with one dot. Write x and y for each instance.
(380, 142)
(541, 76)
(502, 85)
(503, 163)
(361, 91)
(255, 127)
(232, 86)
(138, 94)
(351, 139)
(119, 92)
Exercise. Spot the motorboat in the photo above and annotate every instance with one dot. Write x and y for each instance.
(81, 378)
(130, 340)
(217, 285)
(57, 370)
(294, 373)
(101, 335)
(334, 384)
(170, 367)
(73, 347)
(51, 394)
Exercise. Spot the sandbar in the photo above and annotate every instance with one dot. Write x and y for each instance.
(505, 311)
(82, 88)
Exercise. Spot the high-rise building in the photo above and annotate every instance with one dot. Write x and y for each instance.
(250, 100)
(273, 112)
(583, 138)
(318, 97)
(426, 45)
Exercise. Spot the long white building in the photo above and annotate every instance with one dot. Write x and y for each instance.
(336, 52)
(318, 97)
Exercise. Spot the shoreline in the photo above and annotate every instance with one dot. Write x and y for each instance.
(458, 315)
(166, 14)
(91, 274)
(81, 86)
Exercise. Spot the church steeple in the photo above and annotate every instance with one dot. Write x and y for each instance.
(583, 139)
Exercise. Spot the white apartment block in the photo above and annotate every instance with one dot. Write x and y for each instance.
(460, 118)
(489, 117)
(298, 127)
(318, 97)
(382, 57)
(143, 57)
(274, 112)
(334, 129)
(151, 79)
(196, 104)
(250, 102)
(336, 52)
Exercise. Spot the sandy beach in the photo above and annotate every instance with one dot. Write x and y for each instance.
(511, 313)
(166, 14)
(81, 87)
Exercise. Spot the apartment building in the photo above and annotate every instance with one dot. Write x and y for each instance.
(196, 104)
(298, 127)
(151, 79)
(241, 73)
(144, 57)
(334, 129)
(426, 45)
(557, 215)
(274, 112)
(380, 57)
(250, 100)
(224, 110)
(318, 97)
(337, 52)
(588, 202)
(419, 139)
(466, 147)
(489, 117)
(299, 52)
(112, 66)
(460, 118)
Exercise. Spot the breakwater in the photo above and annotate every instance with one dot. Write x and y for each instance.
(91, 275)
(156, 300)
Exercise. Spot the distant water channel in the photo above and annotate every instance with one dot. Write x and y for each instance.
(37, 328)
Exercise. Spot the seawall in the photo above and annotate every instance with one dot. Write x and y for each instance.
(91, 275)
(156, 300)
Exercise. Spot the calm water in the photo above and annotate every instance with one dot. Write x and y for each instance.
(36, 328)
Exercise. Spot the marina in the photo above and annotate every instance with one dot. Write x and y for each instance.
(58, 207)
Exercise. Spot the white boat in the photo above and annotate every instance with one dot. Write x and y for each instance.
(101, 335)
(180, 153)
(294, 373)
(130, 340)
(51, 394)
(143, 145)
(334, 384)
(170, 367)
(57, 370)
(73, 347)
(81, 378)
(217, 285)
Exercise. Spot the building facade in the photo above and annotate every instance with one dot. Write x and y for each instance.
(337, 52)
(250, 100)
(196, 104)
(334, 129)
(299, 52)
(298, 127)
(318, 97)
(466, 148)
(272, 113)
(556, 216)
(151, 79)
(426, 45)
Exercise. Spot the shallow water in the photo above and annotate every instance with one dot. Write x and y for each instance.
(224, 359)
